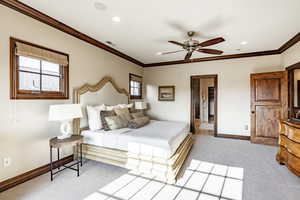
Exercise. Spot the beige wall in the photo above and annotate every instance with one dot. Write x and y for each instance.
(24, 129)
(233, 89)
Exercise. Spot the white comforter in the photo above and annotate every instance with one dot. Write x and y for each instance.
(157, 139)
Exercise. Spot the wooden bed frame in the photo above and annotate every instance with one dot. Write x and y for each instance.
(166, 169)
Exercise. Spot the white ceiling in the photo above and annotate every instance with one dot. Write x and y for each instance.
(147, 25)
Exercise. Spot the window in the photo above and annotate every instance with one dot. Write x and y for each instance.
(38, 72)
(135, 86)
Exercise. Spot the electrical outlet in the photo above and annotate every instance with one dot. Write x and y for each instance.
(246, 127)
(7, 162)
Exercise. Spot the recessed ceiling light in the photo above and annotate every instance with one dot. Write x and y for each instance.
(244, 43)
(110, 43)
(99, 6)
(159, 53)
(116, 19)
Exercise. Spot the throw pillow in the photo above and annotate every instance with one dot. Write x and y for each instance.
(137, 115)
(138, 122)
(123, 113)
(103, 115)
(115, 122)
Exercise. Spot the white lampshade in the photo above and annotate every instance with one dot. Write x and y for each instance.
(140, 105)
(64, 112)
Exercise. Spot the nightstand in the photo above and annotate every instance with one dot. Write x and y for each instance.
(74, 140)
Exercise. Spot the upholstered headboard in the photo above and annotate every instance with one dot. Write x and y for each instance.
(104, 92)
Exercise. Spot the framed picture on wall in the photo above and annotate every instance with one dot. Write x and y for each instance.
(166, 93)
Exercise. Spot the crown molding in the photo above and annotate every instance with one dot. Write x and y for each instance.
(290, 43)
(33, 13)
(241, 55)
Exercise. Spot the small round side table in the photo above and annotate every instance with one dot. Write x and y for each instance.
(74, 140)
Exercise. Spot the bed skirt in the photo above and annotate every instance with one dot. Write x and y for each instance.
(167, 170)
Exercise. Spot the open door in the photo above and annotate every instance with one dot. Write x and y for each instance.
(269, 100)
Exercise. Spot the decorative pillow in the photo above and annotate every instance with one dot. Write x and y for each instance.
(123, 113)
(138, 122)
(103, 115)
(115, 122)
(137, 115)
(93, 113)
(133, 110)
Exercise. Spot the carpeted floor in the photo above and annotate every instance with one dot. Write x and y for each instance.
(217, 168)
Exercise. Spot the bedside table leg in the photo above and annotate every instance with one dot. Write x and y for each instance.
(51, 165)
(81, 155)
(58, 158)
(77, 169)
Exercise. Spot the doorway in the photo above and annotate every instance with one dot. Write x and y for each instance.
(204, 93)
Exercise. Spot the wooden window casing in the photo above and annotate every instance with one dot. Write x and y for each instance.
(17, 93)
(139, 87)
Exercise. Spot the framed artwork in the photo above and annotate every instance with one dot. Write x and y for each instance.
(166, 93)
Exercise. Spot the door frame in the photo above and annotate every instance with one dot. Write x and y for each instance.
(192, 117)
(290, 70)
(209, 106)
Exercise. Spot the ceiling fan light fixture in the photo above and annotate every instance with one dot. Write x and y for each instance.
(192, 45)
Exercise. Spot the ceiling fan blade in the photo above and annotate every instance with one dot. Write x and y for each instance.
(211, 42)
(188, 55)
(177, 43)
(210, 51)
(164, 53)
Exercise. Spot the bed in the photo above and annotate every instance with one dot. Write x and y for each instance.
(159, 148)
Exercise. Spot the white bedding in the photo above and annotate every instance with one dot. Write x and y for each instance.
(158, 138)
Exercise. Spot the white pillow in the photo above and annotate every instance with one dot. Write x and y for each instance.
(94, 119)
(119, 106)
(112, 107)
(126, 105)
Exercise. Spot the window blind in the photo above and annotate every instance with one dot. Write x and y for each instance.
(135, 78)
(41, 54)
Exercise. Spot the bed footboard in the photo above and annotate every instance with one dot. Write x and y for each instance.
(167, 170)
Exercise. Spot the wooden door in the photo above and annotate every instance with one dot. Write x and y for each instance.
(268, 104)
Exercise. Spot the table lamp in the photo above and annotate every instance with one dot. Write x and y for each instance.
(65, 113)
(140, 105)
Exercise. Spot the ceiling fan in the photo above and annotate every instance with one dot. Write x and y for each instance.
(192, 45)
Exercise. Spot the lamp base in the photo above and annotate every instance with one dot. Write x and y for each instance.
(65, 129)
